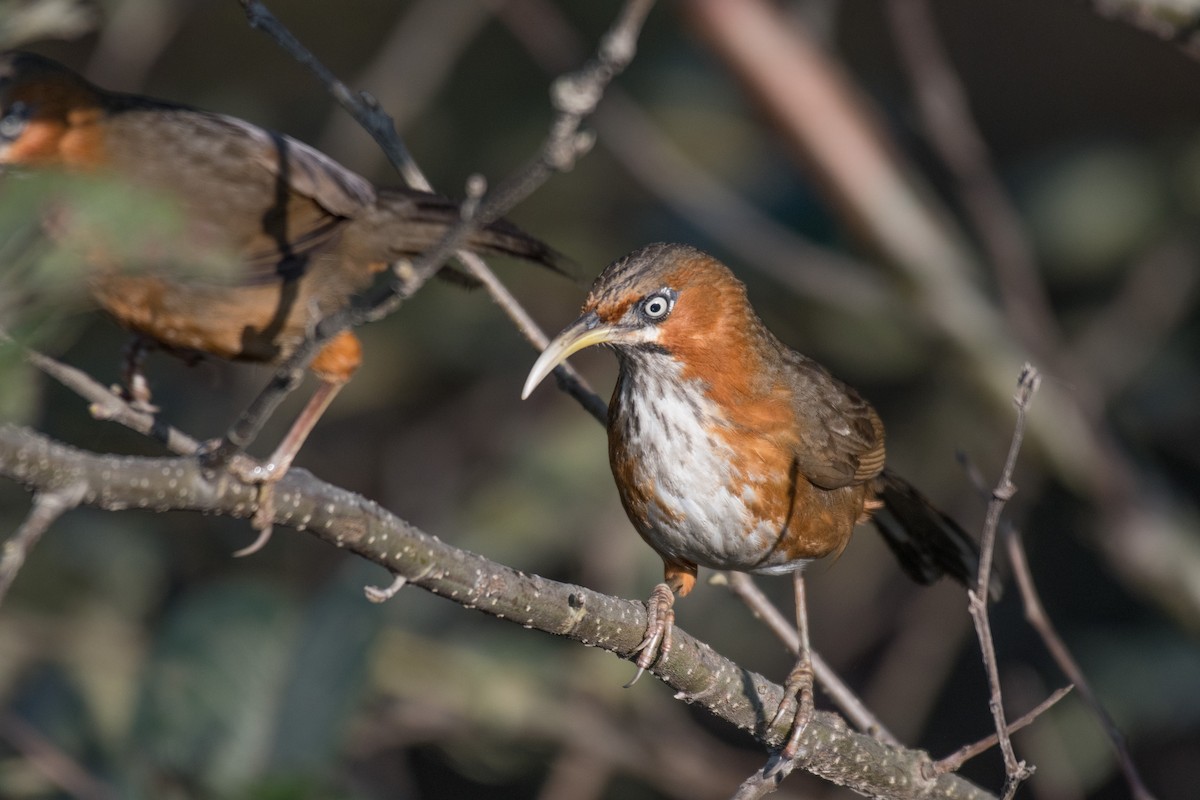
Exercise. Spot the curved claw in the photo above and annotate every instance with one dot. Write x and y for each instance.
(263, 521)
(264, 536)
(798, 694)
(660, 619)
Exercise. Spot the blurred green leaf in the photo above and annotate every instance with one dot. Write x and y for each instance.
(212, 688)
(327, 667)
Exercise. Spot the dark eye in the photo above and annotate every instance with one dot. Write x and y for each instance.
(14, 121)
(656, 306)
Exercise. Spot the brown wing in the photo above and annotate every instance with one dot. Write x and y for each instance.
(842, 439)
(267, 196)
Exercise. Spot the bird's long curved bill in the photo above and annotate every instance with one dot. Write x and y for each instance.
(583, 332)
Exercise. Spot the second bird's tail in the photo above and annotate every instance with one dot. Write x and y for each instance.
(425, 218)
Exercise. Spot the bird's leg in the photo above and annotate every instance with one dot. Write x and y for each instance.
(678, 579)
(334, 365)
(798, 689)
(660, 619)
(270, 472)
(134, 386)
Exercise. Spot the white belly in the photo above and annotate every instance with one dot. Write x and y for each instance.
(693, 514)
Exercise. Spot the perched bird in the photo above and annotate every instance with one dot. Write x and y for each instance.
(306, 233)
(732, 451)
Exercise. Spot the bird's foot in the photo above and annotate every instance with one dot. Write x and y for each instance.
(660, 615)
(251, 472)
(798, 703)
(264, 475)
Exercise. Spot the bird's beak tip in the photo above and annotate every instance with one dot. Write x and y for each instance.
(584, 332)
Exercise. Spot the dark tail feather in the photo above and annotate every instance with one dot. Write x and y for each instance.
(507, 239)
(427, 216)
(927, 543)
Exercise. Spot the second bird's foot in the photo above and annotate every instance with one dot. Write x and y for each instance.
(219, 454)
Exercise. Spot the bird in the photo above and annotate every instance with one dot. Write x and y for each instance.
(732, 451)
(304, 233)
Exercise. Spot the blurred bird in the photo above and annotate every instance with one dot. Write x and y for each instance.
(732, 451)
(307, 234)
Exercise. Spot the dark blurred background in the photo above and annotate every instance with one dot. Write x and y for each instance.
(138, 659)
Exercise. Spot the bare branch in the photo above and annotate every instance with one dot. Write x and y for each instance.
(55, 765)
(627, 131)
(48, 506)
(744, 587)
(830, 749)
(361, 106)
(106, 404)
(379, 125)
(1015, 771)
(1035, 614)
(1169, 20)
(954, 761)
(946, 118)
(574, 97)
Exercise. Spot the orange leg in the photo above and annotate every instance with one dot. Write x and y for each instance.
(334, 365)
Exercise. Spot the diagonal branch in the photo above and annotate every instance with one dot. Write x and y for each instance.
(1035, 614)
(574, 97)
(748, 592)
(955, 760)
(48, 506)
(363, 108)
(349, 521)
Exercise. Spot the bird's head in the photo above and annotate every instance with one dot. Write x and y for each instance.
(44, 109)
(662, 300)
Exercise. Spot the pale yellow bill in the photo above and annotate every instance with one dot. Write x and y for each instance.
(584, 332)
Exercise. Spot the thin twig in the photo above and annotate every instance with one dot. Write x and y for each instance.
(832, 278)
(50, 761)
(1015, 771)
(106, 404)
(955, 760)
(1035, 614)
(359, 105)
(744, 587)
(48, 506)
(946, 117)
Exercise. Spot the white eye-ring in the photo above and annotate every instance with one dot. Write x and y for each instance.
(656, 306)
(14, 121)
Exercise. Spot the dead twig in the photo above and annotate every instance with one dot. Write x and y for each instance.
(1015, 771)
(744, 587)
(48, 506)
(574, 97)
(48, 759)
(955, 760)
(1036, 616)
(946, 117)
